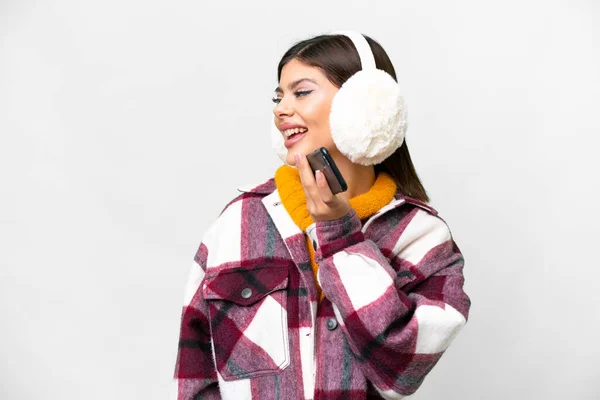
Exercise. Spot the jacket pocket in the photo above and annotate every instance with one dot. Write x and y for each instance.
(248, 320)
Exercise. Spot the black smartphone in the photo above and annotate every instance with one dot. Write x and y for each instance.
(321, 160)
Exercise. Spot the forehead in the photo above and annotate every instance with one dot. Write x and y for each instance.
(295, 69)
(296, 72)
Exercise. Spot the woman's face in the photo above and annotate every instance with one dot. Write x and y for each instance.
(303, 98)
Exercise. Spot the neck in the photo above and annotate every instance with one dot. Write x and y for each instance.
(360, 178)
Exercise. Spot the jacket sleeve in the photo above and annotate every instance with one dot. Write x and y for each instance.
(195, 373)
(401, 310)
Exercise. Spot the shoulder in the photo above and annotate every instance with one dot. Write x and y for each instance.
(402, 204)
(226, 233)
(249, 198)
(414, 218)
(251, 192)
(420, 204)
(264, 187)
(423, 230)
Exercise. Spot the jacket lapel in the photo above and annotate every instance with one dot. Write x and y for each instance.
(291, 234)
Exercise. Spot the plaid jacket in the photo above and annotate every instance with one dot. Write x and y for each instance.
(251, 327)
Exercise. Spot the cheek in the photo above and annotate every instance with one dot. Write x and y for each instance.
(316, 112)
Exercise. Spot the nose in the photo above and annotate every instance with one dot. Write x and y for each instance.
(283, 109)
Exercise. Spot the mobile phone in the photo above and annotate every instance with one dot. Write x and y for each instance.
(321, 160)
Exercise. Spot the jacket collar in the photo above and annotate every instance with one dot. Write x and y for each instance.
(269, 186)
(266, 187)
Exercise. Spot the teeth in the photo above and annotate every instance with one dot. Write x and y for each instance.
(290, 132)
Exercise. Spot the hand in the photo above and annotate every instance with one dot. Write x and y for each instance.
(320, 202)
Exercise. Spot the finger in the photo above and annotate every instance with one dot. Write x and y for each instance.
(307, 178)
(324, 190)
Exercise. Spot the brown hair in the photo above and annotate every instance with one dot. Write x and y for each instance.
(337, 58)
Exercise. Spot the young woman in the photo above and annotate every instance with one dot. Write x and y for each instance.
(297, 293)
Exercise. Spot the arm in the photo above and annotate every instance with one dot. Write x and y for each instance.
(396, 334)
(195, 373)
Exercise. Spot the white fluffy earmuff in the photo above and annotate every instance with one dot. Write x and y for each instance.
(368, 114)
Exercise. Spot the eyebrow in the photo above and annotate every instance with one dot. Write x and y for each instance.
(294, 84)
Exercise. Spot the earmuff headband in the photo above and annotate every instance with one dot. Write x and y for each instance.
(367, 60)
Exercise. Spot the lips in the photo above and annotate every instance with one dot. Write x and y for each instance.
(289, 125)
(292, 140)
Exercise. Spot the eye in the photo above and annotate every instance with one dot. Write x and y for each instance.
(302, 92)
(298, 94)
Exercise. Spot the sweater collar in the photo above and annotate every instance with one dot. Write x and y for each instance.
(268, 187)
(289, 186)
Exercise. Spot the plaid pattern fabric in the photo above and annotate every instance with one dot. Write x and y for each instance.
(251, 327)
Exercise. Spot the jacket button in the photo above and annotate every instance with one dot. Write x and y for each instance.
(331, 324)
(246, 293)
(314, 245)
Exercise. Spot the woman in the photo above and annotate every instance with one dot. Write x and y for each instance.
(296, 293)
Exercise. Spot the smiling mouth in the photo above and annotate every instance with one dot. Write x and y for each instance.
(295, 134)
(296, 137)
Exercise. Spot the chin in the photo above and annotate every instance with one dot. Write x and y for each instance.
(289, 159)
(293, 150)
(303, 147)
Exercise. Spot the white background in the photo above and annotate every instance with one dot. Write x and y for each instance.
(126, 126)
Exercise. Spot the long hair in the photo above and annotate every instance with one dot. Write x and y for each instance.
(337, 58)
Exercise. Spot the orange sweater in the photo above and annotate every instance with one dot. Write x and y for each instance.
(292, 196)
